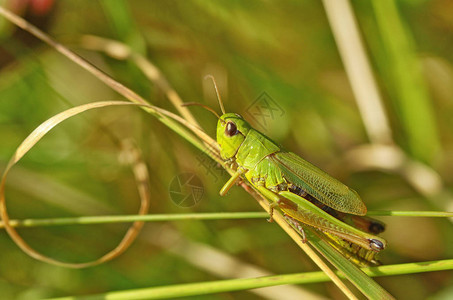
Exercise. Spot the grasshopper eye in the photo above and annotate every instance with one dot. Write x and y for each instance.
(231, 129)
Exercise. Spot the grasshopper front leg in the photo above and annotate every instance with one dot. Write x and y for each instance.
(236, 176)
(272, 206)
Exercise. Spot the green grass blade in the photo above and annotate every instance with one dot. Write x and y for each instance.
(408, 89)
(370, 288)
(122, 20)
(203, 288)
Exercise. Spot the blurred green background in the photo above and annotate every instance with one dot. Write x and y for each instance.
(285, 49)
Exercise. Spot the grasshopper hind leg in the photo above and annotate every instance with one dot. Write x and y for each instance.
(364, 223)
(296, 225)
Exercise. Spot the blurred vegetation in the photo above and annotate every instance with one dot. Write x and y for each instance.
(285, 49)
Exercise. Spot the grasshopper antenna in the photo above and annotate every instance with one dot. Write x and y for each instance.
(217, 92)
(202, 105)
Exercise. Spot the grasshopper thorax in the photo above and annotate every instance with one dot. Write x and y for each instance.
(232, 130)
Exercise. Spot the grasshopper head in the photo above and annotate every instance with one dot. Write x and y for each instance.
(231, 132)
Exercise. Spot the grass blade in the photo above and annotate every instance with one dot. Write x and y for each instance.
(409, 91)
(363, 282)
(203, 288)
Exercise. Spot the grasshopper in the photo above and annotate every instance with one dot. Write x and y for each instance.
(303, 192)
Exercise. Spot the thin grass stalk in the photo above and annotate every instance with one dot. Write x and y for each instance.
(85, 220)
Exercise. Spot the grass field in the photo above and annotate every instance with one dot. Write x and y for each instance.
(374, 112)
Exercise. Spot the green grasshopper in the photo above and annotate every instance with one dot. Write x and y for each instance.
(302, 191)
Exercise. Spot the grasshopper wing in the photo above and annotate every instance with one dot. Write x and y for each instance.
(319, 184)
